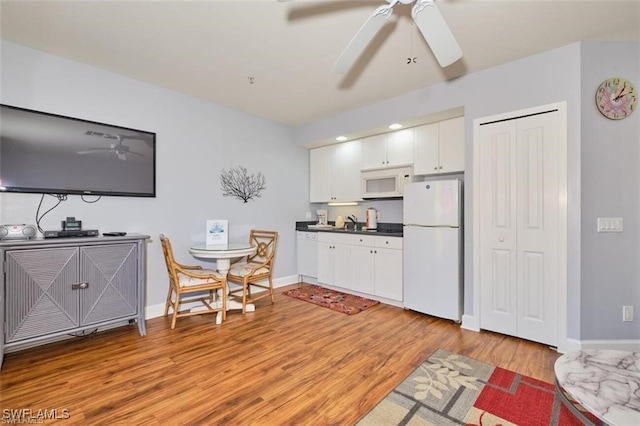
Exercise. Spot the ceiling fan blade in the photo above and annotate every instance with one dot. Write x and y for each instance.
(131, 137)
(436, 32)
(99, 134)
(92, 150)
(364, 36)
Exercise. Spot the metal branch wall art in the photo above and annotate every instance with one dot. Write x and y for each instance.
(239, 184)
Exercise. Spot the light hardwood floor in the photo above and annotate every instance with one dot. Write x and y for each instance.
(290, 363)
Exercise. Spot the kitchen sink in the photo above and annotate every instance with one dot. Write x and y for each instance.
(384, 231)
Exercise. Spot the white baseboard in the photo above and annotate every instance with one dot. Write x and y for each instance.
(308, 280)
(469, 322)
(283, 281)
(620, 345)
(569, 345)
(154, 311)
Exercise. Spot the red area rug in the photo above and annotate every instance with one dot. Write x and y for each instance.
(334, 300)
(451, 389)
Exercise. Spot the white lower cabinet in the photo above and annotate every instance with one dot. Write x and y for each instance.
(307, 253)
(362, 264)
(388, 268)
(367, 264)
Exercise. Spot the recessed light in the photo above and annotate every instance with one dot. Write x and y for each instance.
(341, 138)
(395, 126)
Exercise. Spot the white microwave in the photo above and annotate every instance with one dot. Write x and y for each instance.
(385, 183)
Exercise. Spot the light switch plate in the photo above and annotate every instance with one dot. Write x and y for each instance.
(627, 313)
(609, 224)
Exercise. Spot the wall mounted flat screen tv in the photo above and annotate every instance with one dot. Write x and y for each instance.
(52, 154)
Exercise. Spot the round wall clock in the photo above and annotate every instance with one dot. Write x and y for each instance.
(616, 98)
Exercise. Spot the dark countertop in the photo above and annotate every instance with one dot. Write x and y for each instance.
(384, 229)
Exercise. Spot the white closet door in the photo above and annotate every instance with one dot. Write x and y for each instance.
(537, 247)
(519, 208)
(498, 298)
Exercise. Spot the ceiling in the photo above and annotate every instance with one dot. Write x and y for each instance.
(274, 59)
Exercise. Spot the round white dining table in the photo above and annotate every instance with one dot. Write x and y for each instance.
(223, 254)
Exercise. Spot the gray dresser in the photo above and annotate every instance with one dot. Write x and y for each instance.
(50, 288)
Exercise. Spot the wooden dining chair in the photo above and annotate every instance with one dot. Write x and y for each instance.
(185, 281)
(255, 270)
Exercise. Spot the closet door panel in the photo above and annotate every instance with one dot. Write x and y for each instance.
(538, 205)
(497, 242)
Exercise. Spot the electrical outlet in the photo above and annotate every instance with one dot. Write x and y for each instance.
(308, 215)
(627, 313)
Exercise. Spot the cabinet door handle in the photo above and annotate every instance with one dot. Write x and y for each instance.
(435, 168)
(79, 286)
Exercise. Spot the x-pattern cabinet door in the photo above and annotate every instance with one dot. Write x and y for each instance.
(108, 271)
(52, 290)
(39, 299)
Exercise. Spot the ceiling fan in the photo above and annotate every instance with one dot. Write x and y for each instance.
(427, 17)
(120, 149)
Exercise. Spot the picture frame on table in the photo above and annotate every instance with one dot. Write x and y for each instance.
(217, 232)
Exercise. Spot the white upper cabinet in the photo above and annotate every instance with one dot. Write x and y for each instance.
(388, 150)
(374, 152)
(400, 147)
(347, 172)
(321, 166)
(335, 172)
(451, 145)
(439, 147)
(426, 149)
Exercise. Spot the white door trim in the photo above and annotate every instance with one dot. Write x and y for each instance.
(473, 321)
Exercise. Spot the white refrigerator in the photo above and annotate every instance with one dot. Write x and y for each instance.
(432, 248)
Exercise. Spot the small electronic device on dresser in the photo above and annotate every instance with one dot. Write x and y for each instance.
(71, 224)
(71, 228)
(15, 232)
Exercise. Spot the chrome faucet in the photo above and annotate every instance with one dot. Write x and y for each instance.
(353, 219)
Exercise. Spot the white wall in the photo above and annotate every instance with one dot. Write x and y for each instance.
(610, 157)
(546, 78)
(603, 270)
(195, 141)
